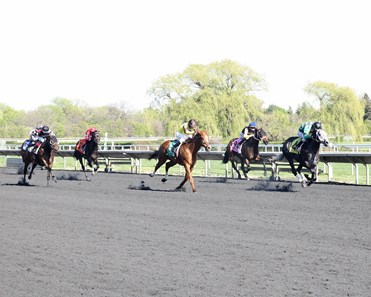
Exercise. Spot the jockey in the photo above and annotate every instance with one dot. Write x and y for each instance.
(245, 134)
(89, 132)
(38, 136)
(187, 130)
(87, 137)
(306, 131)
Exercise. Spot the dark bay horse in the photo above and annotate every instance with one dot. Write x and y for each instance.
(249, 152)
(44, 157)
(308, 156)
(187, 156)
(88, 151)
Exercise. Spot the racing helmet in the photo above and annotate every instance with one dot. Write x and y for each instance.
(46, 130)
(317, 125)
(192, 124)
(252, 125)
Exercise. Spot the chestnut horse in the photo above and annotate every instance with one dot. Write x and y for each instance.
(187, 156)
(44, 157)
(249, 152)
(90, 153)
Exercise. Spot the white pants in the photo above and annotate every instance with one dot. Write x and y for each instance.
(181, 137)
(301, 135)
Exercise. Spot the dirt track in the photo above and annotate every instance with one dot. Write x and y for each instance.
(108, 238)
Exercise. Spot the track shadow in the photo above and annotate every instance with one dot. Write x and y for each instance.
(20, 183)
(273, 187)
(69, 176)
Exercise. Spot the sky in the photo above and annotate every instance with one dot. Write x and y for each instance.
(110, 52)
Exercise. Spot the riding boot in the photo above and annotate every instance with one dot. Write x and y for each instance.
(176, 143)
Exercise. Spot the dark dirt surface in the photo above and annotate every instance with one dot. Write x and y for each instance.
(116, 236)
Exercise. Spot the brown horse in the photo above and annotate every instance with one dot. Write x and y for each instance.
(249, 152)
(187, 156)
(89, 152)
(44, 157)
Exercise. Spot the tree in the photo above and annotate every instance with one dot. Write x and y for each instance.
(367, 103)
(340, 109)
(10, 122)
(220, 96)
(278, 122)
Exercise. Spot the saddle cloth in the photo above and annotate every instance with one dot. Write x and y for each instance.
(172, 151)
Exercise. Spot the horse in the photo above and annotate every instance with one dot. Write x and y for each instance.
(89, 151)
(308, 156)
(249, 152)
(187, 156)
(44, 157)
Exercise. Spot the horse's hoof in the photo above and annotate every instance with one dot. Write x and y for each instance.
(303, 184)
(164, 180)
(151, 175)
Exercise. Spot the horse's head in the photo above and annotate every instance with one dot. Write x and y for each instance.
(321, 137)
(260, 134)
(203, 137)
(96, 137)
(53, 142)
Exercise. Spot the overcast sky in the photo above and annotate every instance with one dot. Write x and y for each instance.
(111, 51)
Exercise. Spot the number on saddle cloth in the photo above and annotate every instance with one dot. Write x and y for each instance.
(234, 145)
(26, 144)
(81, 146)
(171, 149)
(292, 148)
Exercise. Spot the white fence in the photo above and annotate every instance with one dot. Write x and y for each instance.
(356, 155)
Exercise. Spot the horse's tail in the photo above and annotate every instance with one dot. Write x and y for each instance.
(226, 154)
(154, 155)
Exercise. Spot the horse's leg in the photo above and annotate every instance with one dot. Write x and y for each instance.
(32, 169)
(25, 172)
(301, 178)
(83, 168)
(96, 165)
(188, 176)
(248, 168)
(160, 162)
(48, 176)
(314, 176)
(265, 168)
(234, 164)
(167, 167)
(244, 162)
(293, 169)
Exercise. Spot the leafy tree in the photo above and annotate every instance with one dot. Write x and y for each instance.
(278, 122)
(220, 96)
(340, 109)
(10, 122)
(367, 103)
